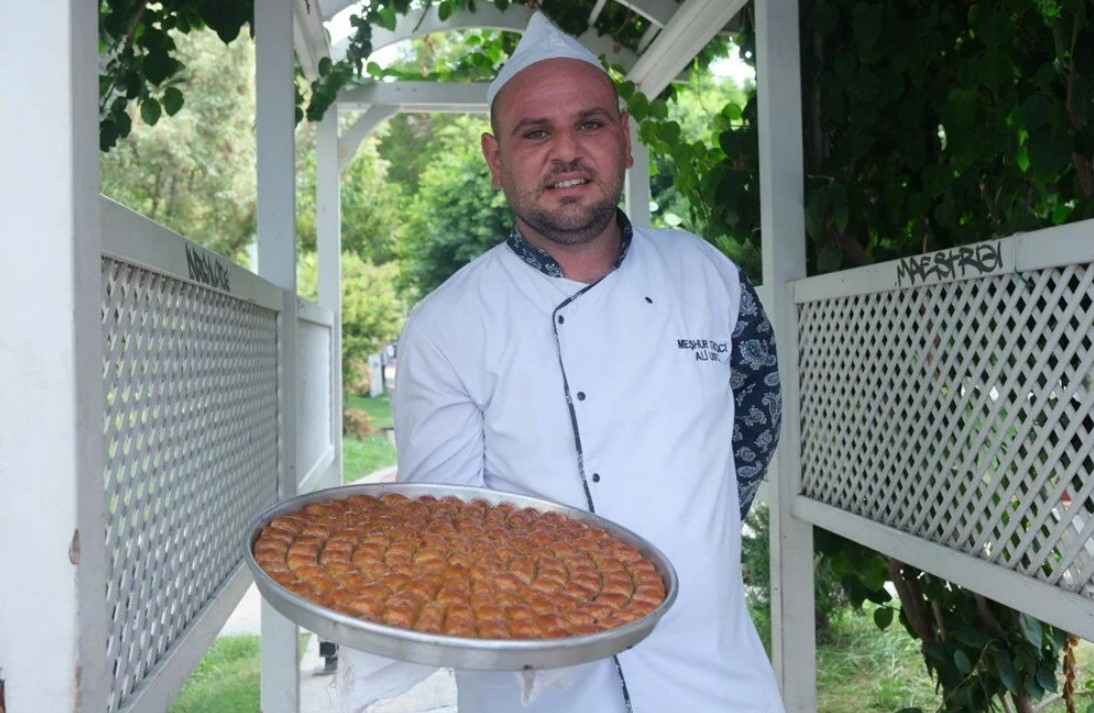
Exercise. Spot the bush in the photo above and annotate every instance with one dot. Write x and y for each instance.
(755, 561)
(357, 377)
(357, 423)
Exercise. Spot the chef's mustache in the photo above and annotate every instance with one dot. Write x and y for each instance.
(558, 167)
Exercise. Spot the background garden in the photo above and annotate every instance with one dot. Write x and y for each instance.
(975, 120)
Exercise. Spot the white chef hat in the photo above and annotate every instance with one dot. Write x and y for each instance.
(541, 40)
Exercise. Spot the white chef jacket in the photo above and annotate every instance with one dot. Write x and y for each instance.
(614, 397)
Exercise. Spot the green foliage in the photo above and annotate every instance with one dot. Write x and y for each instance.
(829, 598)
(378, 408)
(366, 455)
(196, 173)
(972, 122)
(140, 61)
(372, 312)
(975, 649)
(367, 197)
(722, 193)
(228, 674)
(456, 214)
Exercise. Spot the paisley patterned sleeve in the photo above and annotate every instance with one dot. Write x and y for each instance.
(757, 395)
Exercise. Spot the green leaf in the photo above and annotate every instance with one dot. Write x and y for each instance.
(972, 636)
(883, 617)
(388, 18)
(502, 5)
(158, 66)
(172, 100)
(108, 135)
(1047, 679)
(1031, 629)
(324, 66)
(1007, 674)
(866, 20)
(961, 660)
(150, 111)
(444, 10)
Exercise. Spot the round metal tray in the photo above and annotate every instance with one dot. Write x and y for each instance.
(456, 651)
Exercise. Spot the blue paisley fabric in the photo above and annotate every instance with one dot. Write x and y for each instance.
(757, 395)
(542, 261)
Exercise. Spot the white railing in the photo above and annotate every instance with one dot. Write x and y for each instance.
(946, 416)
(190, 371)
(318, 427)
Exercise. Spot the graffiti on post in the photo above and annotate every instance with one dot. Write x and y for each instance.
(206, 269)
(957, 264)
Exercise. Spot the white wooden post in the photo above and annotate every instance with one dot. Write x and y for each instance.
(275, 107)
(52, 613)
(329, 247)
(637, 188)
(778, 75)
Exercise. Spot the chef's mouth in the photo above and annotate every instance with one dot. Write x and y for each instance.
(567, 183)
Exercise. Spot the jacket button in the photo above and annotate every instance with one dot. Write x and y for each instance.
(580, 395)
(561, 319)
(596, 477)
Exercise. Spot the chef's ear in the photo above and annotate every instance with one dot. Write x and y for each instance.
(490, 153)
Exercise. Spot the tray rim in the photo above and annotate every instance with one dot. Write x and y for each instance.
(454, 651)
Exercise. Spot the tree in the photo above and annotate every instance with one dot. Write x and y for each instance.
(456, 214)
(370, 214)
(195, 173)
(372, 311)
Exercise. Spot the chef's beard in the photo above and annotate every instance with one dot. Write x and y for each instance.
(569, 224)
(566, 227)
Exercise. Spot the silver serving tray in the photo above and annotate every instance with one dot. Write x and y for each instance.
(456, 651)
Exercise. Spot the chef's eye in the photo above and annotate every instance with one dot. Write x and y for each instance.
(536, 134)
(591, 125)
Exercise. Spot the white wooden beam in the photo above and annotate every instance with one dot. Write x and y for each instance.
(53, 628)
(594, 14)
(429, 96)
(782, 220)
(659, 12)
(692, 26)
(275, 107)
(419, 23)
(1071, 611)
(351, 140)
(637, 187)
(309, 37)
(328, 209)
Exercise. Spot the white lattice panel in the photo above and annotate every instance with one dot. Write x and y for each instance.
(961, 413)
(191, 429)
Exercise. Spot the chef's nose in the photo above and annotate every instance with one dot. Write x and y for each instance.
(566, 147)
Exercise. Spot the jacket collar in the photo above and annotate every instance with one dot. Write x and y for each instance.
(542, 261)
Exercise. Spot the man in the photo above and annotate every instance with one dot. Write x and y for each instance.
(626, 371)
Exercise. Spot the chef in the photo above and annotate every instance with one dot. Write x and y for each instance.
(622, 370)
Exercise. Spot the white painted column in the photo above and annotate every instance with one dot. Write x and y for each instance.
(329, 248)
(275, 104)
(637, 187)
(778, 76)
(52, 518)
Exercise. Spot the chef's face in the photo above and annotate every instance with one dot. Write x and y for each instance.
(559, 150)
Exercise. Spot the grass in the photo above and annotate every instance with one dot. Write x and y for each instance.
(859, 669)
(226, 680)
(362, 456)
(378, 409)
